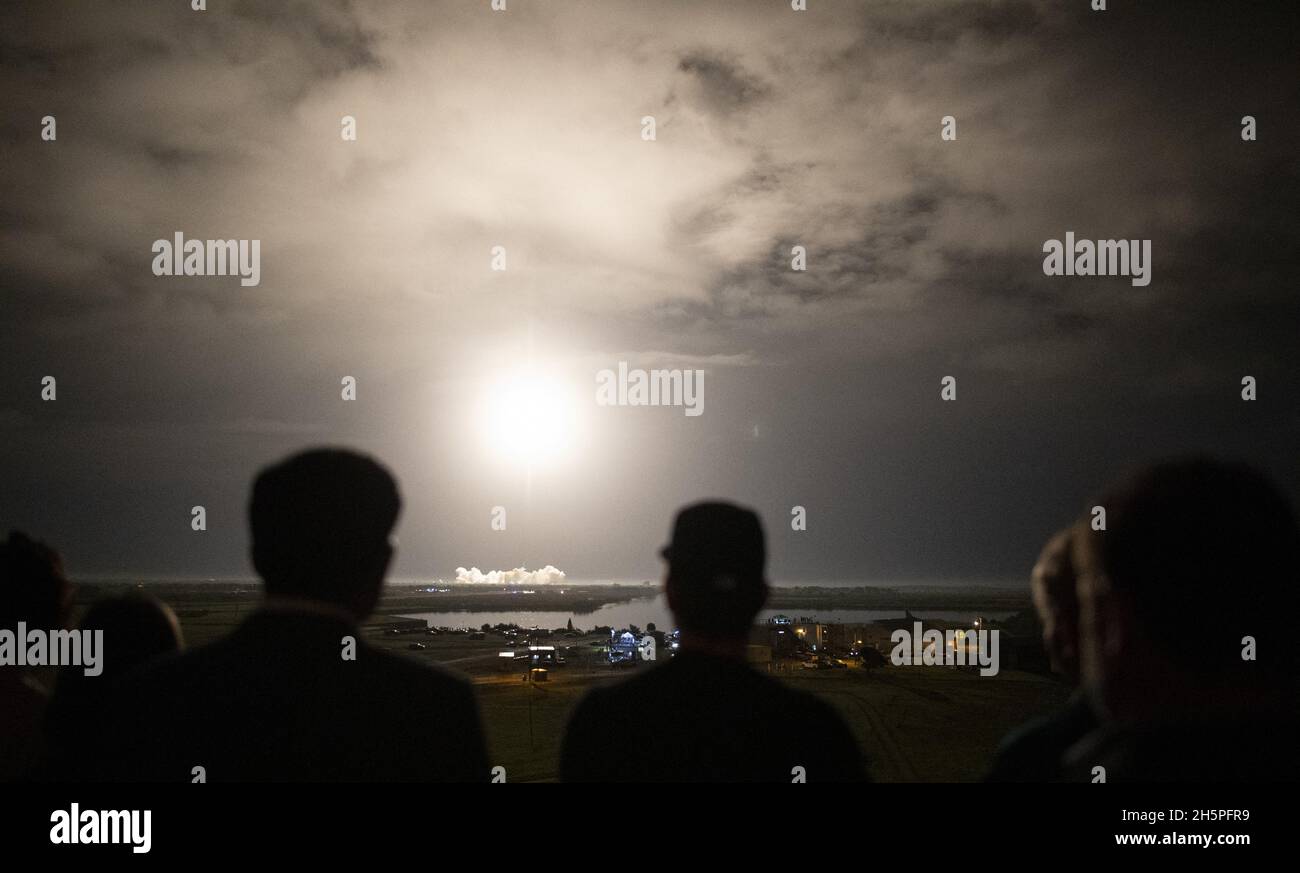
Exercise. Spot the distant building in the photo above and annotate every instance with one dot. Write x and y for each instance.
(777, 638)
(846, 639)
(539, 656)
(812, 634)
(622, 647)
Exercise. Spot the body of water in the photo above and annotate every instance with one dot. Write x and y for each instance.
(644, 611)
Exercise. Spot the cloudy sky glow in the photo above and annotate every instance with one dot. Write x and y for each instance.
(522, 129)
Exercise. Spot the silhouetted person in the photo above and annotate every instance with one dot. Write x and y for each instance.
(137, 629)
(34, 591)
(1187, 604)
(1035, 751)
(280, 698)
(705, 715)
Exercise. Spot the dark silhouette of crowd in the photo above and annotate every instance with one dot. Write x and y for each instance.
(1169, 619)
(1170, 613)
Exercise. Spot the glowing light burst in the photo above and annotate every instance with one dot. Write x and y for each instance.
(530, 419)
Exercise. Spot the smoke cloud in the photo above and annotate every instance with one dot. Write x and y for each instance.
(547, 575)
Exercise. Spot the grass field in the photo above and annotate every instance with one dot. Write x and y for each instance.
(927, 724)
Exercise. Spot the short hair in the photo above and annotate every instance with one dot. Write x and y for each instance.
(716, 568)
(316, 518)
(1209, 553)
(33, 588)
(137, 628)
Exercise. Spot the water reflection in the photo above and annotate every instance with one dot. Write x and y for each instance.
(647, 610)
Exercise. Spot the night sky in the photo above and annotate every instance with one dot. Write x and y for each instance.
(523, 129)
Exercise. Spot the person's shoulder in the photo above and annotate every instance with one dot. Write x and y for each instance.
(1064, 726)
(189, 665)
(1036, 750)
(796, 700)
(1177, 752)
(645, 682)
(607, 701)
(601, 698)
(817, 730)
(606, 722)
(402, 669)
(800, 711)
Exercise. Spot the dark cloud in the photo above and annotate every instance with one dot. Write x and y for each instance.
(327, 36)
(723, 87)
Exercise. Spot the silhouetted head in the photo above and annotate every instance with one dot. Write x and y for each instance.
(137, 628)
(1197, 555)
(320, 525)
(715, 582)
(1052, 585)
(33, 588)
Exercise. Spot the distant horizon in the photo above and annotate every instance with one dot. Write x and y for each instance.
(974, 581)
